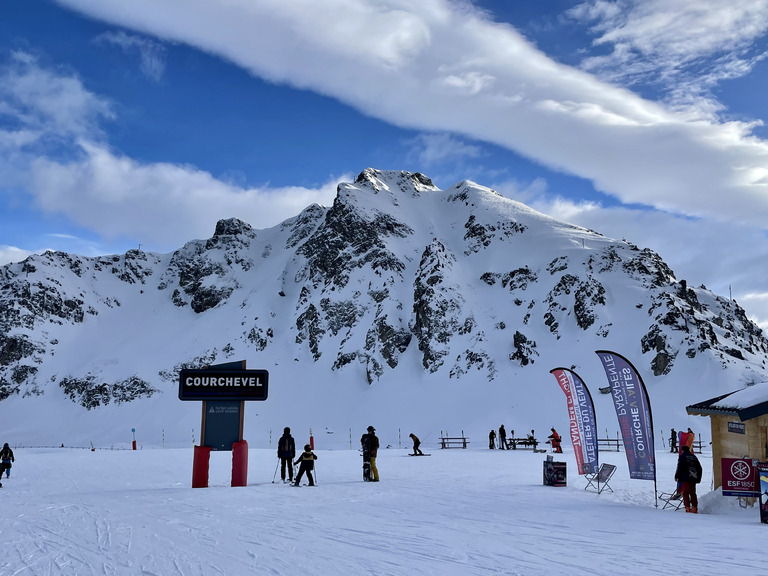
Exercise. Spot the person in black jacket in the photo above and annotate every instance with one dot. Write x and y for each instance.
(306, 463)
(6, 457)
(370, 444)
(502, 438)
(286, 451)
(416, 443)
(688, 474)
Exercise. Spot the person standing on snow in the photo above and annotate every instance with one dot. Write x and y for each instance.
(416, 443)
(370, 445)
(492, 439)
(673, 441)
(688, 474)
(6, 457)
(306, 463)
(555, 441)
(691, 439)
(502, 438)
(286, 451)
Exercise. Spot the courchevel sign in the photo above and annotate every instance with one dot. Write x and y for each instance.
(223, 384)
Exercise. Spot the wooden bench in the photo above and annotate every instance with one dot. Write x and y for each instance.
(455, 442)
(608, 444)
(523, 443)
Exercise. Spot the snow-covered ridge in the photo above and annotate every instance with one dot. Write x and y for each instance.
(397, 282)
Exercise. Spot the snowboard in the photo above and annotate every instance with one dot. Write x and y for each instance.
(419, 454)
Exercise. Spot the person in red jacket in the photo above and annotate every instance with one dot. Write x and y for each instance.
(554, 440)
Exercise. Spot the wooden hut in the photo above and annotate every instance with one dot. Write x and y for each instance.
(739, 423)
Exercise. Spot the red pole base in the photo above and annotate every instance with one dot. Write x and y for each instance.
(200, 465)
(134, 444)
(240, 463)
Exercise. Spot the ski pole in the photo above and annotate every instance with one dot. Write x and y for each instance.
(275, 474)
(315, 471)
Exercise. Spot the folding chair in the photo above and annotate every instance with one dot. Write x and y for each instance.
(599, 480)
(669, 501)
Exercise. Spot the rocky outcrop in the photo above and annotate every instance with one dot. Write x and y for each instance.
(462, 283)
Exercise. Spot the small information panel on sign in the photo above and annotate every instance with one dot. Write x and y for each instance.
(211, 384)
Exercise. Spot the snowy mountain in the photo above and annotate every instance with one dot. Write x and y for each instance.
(401, 304)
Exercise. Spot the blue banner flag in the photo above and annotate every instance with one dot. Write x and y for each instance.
(633, 410)
(581, 414)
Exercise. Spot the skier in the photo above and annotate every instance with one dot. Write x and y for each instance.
(688, 474)
(502, 437)
(370, 445)
(6, 457)
(286, 451)
(555, 441)
(416, 443)
(307, 460)
(492, 439)
(673, 441)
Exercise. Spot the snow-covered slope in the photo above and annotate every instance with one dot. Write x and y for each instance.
(401, 305)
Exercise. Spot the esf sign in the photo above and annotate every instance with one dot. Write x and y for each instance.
(223, 384)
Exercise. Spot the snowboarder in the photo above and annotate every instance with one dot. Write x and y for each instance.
(416, 443)
(502, 437)
(286, 451)
(6, 457)
(370, 444)
(673, 441)
(492, 439)
(307, 463)
(691, 438)
(688, 474)
(555, 441)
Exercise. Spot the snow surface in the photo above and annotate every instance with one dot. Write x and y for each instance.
(745, 398)
(464, 512)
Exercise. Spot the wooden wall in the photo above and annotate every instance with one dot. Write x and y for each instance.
(753, 444)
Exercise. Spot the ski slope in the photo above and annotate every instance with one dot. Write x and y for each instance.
(458, 512)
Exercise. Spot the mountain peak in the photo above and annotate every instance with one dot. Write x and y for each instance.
(412, 182)
(400, 291)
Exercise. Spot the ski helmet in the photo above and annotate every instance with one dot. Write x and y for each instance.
(371, 429)
(287, 430)
(307, 447)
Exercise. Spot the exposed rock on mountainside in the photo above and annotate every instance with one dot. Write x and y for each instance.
(462, 281)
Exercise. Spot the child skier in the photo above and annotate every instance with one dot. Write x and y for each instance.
(307, 460)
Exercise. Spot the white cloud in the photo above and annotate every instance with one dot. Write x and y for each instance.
(161, 205)
(431, 149)
(47, 103)
(10, 254)
(688, 46)
(151, 54)
(440, 66)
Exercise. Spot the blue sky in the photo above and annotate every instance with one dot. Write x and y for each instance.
(142, 123)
